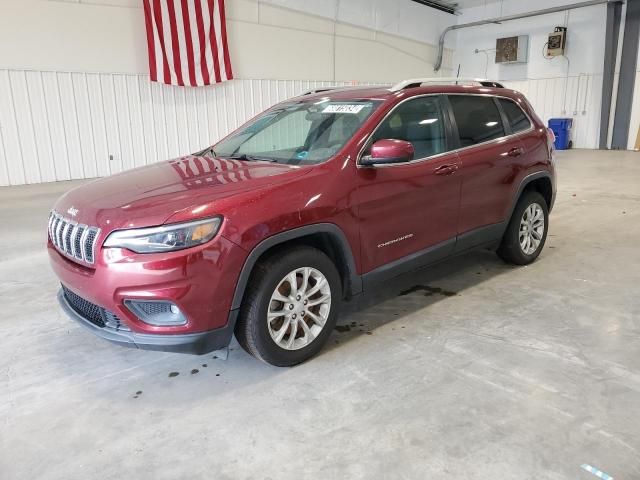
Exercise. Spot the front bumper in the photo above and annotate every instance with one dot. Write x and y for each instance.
(200, 281)
(194, 343)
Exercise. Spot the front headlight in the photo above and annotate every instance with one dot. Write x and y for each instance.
(166, 238)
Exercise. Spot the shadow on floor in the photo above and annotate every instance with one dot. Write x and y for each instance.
(412, 292)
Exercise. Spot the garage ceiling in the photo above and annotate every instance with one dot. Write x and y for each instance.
(456, 5)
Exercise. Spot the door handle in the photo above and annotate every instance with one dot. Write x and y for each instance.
(515, 152)
(446, 169)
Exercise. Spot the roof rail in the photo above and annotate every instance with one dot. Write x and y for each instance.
(416, 82)
(318, 90)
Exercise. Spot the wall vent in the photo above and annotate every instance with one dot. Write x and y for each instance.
(512, 49)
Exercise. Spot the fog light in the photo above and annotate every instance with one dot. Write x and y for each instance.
(156, 312)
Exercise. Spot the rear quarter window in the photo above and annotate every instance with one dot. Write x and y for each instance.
(518, 120)
(477, 118)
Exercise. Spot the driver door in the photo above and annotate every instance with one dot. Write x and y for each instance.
(408, 212)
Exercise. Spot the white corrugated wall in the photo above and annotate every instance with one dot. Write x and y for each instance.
(62, 126)
(576, 97)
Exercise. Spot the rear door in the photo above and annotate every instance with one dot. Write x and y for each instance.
(489, 157)
(406, 208)
(532, 141)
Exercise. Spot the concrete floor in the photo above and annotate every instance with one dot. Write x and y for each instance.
(509, 373)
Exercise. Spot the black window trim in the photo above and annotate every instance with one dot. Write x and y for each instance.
(451, 128)
(506, 127)
(505, 117)
(506, 124)
(450, 138)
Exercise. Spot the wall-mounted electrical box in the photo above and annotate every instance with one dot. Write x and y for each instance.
(557, 42)
(512, 49)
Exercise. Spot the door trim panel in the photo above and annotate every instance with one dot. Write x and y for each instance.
(414, 261)
(480, 237)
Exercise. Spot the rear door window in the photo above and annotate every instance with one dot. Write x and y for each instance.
(518, 120)
(477, 118)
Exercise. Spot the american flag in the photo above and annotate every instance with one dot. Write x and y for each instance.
(187, 42)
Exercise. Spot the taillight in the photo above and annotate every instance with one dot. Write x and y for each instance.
(551, 136)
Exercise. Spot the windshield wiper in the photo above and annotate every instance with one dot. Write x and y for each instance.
(249, 158)
(202, 153)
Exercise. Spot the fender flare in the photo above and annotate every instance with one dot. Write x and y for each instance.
(523, 185)
(355, 280)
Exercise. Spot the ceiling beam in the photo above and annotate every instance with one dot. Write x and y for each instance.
(443, 7)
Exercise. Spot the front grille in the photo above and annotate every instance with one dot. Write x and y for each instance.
(89, 245)
(99, 316)
(75, 240)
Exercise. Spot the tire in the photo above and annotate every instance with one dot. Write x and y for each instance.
(511, 249)
(271, 340)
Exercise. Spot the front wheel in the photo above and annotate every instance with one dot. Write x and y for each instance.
(290, 307)
(527, 230)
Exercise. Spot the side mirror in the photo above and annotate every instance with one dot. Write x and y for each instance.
(387, 151)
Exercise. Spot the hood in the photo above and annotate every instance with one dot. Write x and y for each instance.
(150, 195)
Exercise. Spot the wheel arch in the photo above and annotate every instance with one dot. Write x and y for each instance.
(540, 182)
(543, 186)
(327, 237)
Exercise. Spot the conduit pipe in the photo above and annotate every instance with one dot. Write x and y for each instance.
(536, 13)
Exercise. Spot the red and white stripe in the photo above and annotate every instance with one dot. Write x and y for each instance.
(187, 42)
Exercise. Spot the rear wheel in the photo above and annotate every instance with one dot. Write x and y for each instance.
(527, 230)
(290, 307)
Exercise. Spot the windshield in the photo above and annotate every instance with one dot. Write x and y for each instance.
(298, 133)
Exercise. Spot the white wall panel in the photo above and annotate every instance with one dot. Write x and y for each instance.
(42, 132)
(99, 124)
(24, 123)
(585, 41)
(4, 171)
(575, 97)
(71, 123)
(138, 149)
(110, 106)
(9, 127)
(84, 114)
(123, 119)
(62, 126)
(55, 124)
(160, 138)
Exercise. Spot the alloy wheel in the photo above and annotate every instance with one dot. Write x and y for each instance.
(299, 308)
(531, 228)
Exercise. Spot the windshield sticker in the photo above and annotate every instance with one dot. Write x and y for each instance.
(343, 108)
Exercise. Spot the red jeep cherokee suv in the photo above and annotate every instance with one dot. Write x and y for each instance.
(308, 204)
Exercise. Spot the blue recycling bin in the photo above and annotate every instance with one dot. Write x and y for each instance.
(562, 130)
